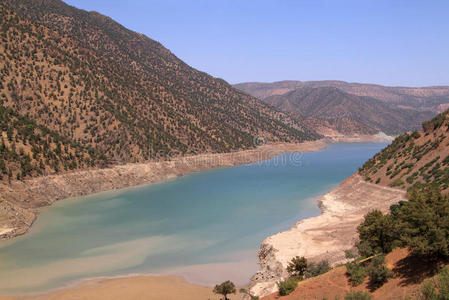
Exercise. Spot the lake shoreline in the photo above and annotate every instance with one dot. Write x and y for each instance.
(20, 201)
(259, 154)
(326, 236)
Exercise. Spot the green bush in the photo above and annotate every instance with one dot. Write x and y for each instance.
(438, 288)
(397, 182)
(377, 271)
(315, 269)
(356, 272)
(377, 234)
(421, 224)
(358, 295)
(416, 135)
(424, 222)
(287, 286)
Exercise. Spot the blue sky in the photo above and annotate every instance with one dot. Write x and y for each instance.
(391, 42)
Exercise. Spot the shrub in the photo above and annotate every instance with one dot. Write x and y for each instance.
(416, 134)
(377, 234)
(356, 272)
(397, 182)
(315, 269)
(438, 288)
(287, 286)
(377, 271)
(425, 222)
(350, 254)
(358, 295)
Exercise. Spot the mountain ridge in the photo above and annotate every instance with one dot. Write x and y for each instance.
(117, 93)
(426, 98)
(348, 113)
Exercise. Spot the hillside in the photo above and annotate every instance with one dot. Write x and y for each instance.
(414, 158)
(412, 232)
(435, 98)
(335, 284)
(106, 94)
(348, 113)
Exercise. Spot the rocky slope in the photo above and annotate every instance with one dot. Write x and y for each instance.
(92, 92)
(347, 113)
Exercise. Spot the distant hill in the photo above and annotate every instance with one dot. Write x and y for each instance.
(425, 98)
(414, 158)
(78, 90)
(348, 113)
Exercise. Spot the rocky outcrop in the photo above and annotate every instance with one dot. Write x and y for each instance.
(325, 236)
(20, 200)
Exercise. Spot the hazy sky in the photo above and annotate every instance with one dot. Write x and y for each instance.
(391, 42)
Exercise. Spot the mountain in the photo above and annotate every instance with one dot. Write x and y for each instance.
(79, 90)
(435, 98)
(414, 158)
(348, 113)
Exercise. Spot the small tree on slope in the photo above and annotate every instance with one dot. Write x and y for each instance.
(297, 267)
(225, 288)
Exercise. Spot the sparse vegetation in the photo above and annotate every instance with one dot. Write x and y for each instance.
(78, 92)
(413, 159)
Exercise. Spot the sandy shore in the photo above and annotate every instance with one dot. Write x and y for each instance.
(325, 236)
(20, 200)
(130, 288)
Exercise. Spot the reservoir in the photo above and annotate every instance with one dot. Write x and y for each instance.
(206, 226)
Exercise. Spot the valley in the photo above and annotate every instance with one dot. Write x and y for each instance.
(127, 171)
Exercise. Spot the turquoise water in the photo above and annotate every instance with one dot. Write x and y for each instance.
(206, 226)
